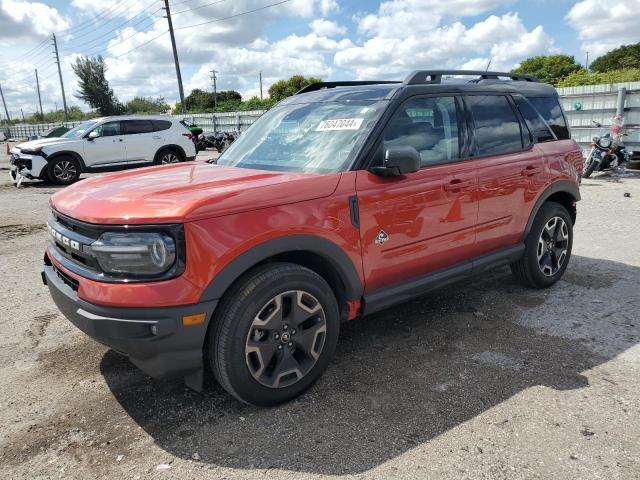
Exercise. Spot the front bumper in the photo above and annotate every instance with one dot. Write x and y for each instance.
(29, 166)
(154, 339)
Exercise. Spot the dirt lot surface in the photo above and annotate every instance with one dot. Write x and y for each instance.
(485, 379)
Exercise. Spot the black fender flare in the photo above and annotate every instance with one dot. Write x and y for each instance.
(563, 186)
(75, 155)
(327, 249)
(173, 146)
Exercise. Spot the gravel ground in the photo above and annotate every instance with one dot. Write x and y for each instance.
(483, 380)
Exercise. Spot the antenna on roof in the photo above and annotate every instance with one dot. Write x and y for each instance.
(488, 65)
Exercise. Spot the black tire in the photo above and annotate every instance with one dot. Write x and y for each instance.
(228, 339)
(528, 270)
(589, 169)
(63, 170)
(163, 156)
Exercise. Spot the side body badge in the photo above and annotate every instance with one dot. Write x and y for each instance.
(382, 237)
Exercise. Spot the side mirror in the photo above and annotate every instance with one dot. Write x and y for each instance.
(93, 135)
(399, 161)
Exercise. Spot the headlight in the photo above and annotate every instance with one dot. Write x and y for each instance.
(31, 151)
(133, 253)
(604, 142)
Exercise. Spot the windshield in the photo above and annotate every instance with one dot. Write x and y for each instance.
(79, 130)
(308, 137)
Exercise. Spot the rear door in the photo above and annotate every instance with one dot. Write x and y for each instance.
(142, 141)
(417, 223)
(509, 170)
(108, 148)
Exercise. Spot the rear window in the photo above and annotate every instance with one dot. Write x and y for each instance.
(496, 126)
(549, 109)
(537, 125)
(159, 125)
(132, 127)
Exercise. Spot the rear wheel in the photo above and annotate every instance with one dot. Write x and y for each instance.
(274, 334)
(168, 156)
(63, 170)
(547, 248)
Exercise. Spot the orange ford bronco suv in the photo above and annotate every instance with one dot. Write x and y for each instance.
(340, 201)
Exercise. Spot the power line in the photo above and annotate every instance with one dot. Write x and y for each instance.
(142, 12)
(232, 16)
(141, 45)
(198, 7)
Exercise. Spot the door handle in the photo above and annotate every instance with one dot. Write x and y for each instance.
(456, 185)
(155, 137)
(530, 170)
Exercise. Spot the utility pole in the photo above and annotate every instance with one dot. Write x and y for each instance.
(39, 97)
(6, 111)
(587, 65)
(215, 87)
(64, 98)
(260, 85)
(175, 54)
(22, 113)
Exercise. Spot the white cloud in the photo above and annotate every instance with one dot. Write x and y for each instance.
(605, 24)
(326, 28)
(410, 34)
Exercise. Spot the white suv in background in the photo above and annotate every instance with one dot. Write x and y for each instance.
(103, 144)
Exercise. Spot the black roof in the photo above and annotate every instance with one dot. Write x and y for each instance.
(424, 81)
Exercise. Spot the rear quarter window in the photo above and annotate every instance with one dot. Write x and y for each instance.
(160, 125)
(536, 124)
(549, 108)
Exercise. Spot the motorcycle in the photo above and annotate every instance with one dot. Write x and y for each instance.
(221, 140)
(607, 153)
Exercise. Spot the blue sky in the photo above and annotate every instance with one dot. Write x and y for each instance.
(332, 39)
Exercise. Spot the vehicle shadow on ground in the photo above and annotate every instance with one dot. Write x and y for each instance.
(400, 378)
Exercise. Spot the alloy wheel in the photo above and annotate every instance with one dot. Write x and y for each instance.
(285, 339)
(553, 245)
(169, 158)
(64, 171)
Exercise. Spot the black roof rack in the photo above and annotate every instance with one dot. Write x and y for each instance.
(320, 85)
(435, 76)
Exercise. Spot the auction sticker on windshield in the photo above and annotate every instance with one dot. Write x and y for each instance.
(340, 124)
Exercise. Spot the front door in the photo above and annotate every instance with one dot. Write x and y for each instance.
(108, 148)
(415, 224)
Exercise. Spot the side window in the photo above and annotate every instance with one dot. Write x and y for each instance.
(535, 122)
(159, 125)
(496, 126)
(549, 108)
(109, 129)
(132, 127)
(430, 125)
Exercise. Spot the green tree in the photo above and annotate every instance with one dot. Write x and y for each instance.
(285, 88)
(202, 101)
(626, 56)
(582, 77)
(93, 86)
(146, 105)
(549, 68)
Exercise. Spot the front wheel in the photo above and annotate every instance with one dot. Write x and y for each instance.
(63, 171)
(274, 334)
(590, 164)
(547, 248)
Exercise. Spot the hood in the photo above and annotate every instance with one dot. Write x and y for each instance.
(184, 192)
(41, 142)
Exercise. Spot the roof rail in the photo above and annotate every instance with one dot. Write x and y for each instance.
(320, 85)
(435, 76)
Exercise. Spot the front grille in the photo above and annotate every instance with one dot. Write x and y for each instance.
(72, 240)
(69, 281)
